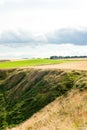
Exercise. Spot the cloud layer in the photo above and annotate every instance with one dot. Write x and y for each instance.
(15, 37)
(41, 51)
(77, 37)
(22, 44)
(62, 36)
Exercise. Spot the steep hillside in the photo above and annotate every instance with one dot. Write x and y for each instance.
(65, 113)
(24, 92)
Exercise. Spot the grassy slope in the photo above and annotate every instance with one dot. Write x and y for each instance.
(32, 62)
(24, 92)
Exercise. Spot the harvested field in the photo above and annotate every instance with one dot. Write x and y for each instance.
(79, 65)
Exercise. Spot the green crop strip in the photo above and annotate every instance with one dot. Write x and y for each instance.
(32, 62)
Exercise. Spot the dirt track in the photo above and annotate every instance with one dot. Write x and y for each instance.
(79, 65)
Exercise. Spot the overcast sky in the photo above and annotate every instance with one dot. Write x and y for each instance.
(41, 28)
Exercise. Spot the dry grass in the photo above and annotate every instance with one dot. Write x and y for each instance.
(65, 113)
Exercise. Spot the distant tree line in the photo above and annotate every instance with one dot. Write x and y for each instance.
(66, 57)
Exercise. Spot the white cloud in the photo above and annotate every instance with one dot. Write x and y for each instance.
(44, 50)
(40, 17)
(50, 4)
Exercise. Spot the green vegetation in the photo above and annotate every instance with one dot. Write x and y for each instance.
(24, 92)
(32, 62)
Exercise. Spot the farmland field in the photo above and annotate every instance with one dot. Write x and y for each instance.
(32, 62)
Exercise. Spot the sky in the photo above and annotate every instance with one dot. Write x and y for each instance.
(42, 28)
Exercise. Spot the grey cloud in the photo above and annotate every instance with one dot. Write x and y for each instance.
(20, 38)
(15, 37)
(77, 37)
(62, 36)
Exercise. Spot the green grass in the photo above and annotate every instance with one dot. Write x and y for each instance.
(32, 62)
